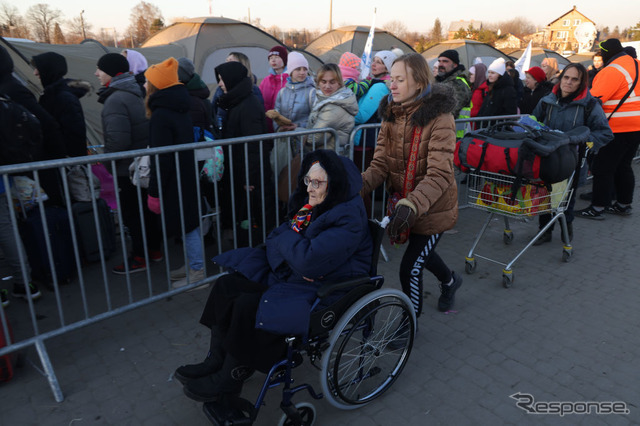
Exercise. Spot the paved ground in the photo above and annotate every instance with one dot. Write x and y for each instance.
(564, 332)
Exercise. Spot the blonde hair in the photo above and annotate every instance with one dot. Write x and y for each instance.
(552, 63)
(151, 89)
(330, 68)
(420, 70)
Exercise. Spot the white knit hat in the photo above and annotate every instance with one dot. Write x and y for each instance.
(296, 60)
(497, 66)
(387, 57)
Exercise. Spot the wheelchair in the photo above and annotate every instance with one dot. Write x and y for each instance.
(360, 343)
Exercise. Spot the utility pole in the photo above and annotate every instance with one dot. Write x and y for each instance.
(330, 15)
(84, 34)
(249, 15)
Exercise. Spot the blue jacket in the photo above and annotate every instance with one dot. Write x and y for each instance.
(334, 247)
(367, 109)
(295, 101)
(566, 116)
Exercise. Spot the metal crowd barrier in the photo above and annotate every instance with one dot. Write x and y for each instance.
(95, 294)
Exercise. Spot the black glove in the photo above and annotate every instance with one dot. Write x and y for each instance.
(403, 218)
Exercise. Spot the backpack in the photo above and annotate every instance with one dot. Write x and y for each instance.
(20, 134)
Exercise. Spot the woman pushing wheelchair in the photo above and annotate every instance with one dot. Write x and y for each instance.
(271, 289)
(414, 156)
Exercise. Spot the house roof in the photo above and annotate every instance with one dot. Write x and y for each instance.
(566, 13)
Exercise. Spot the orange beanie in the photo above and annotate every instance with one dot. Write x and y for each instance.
(164, 74)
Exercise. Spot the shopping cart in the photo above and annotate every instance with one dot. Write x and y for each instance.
(494, 193)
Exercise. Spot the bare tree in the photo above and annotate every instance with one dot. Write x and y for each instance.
(397, 28)
(75, 31)
(43, 19)
(518, 26)
(143, 15)
(12, 24)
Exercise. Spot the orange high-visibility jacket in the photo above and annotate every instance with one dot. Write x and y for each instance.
(610, 85)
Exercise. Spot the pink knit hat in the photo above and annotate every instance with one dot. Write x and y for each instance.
(349, 66)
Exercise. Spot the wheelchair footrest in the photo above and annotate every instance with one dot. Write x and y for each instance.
(231, 411)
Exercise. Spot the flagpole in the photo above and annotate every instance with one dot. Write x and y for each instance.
(366, 55)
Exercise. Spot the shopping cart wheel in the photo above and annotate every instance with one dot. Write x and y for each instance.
(566, 255)
(507, 237)
(507, 278)
(470, 265)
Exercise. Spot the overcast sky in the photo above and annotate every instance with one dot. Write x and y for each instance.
(417, 15)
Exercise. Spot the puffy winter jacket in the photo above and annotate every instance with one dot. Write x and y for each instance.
(124, 122)
(435, 195)
(337, 112)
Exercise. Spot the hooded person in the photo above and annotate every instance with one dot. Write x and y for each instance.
(61, 99)
(271, 293)
(125, 127)
(477, 78)
(335, 107)
(200, 108)
(244, 116)
(137, 66)
(501, 99)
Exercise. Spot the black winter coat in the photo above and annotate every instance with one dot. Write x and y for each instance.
(244, 117)
(61, 99)
(200, 108)
(170, 124)
(531, 97)
(501, 99)
(18, 92)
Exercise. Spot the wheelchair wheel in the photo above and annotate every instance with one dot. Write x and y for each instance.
(368, 348)
(307, 414)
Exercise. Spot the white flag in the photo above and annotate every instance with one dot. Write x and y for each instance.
(365, 66)
(524, 63)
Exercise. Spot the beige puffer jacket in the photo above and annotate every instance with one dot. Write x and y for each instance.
(435, 195)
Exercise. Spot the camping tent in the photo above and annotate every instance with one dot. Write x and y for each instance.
(469, 51)
(585, 58)
(208, 42)
(538, 54)
(331, 45)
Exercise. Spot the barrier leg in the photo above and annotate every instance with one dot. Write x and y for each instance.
(48, 369)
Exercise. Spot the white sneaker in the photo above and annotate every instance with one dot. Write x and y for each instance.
(178, 274)
(194, 276)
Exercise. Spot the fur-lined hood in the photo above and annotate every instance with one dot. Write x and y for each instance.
(439, 100)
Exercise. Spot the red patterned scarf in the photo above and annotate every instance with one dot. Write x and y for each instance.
(302, 219)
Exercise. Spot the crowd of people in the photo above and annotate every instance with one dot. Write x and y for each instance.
(168, 104)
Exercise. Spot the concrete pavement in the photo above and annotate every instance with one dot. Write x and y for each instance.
(565, 332)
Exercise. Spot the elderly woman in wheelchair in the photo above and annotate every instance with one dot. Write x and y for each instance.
(272, 290)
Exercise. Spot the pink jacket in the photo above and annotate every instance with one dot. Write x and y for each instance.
(270, 86)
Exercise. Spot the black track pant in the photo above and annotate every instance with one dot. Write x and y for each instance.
(421, 254)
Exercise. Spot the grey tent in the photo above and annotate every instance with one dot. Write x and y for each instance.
(538, 54)
(331, 45)
(584, 58)
(81, 61)
(208, 42)
(469, 51)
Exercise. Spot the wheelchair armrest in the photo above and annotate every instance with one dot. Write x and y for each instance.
(327, 289)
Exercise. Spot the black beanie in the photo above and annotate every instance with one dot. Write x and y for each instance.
(113, 64)
(610, 48)
(232, 73)
(451, 54)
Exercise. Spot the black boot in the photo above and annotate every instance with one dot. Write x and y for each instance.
(448, 293)
(211, 364)
(227, 381)
(544, 238)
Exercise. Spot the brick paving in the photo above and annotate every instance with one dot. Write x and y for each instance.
(563, 332)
